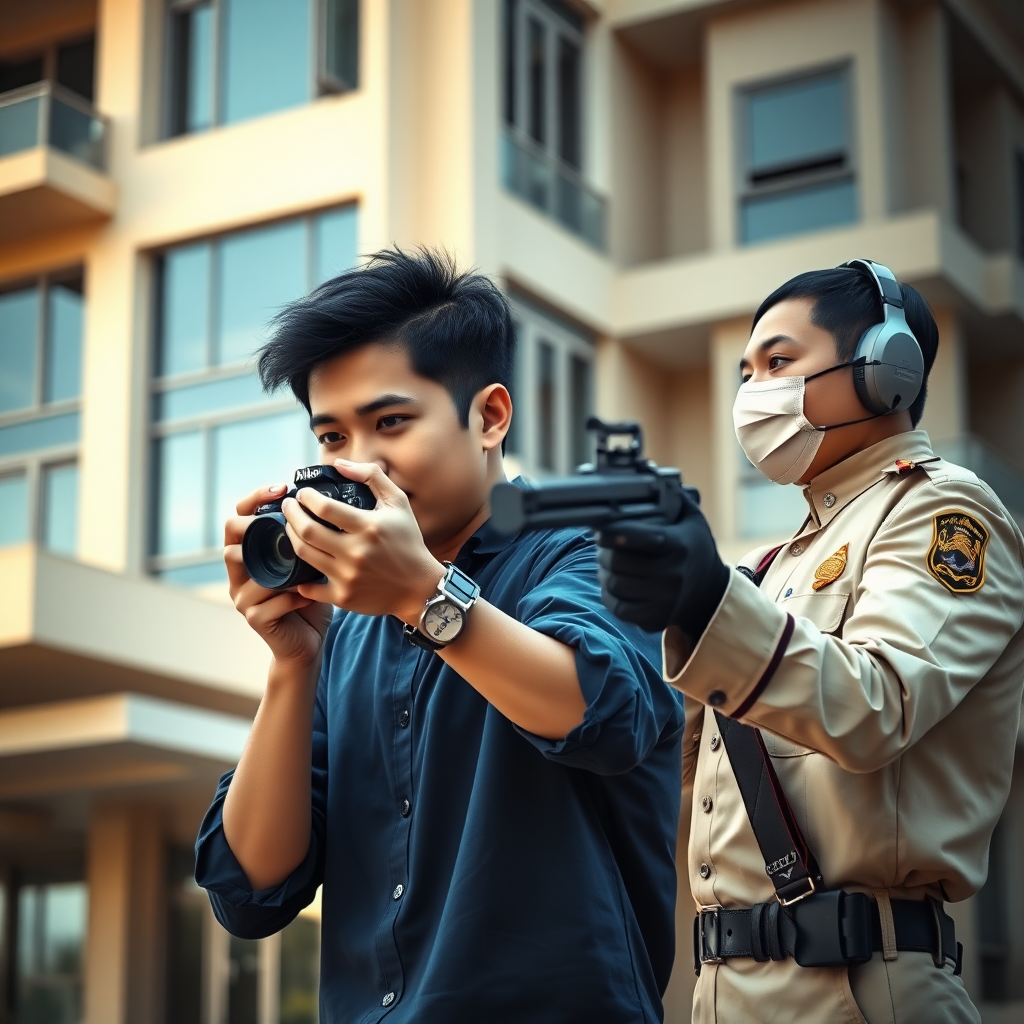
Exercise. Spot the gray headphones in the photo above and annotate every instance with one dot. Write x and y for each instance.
(888, 366)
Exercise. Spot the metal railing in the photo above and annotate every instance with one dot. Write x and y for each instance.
(533, 175)
(45, 114)
(974, 454)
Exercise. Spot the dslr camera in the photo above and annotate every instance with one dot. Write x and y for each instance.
(267, 552)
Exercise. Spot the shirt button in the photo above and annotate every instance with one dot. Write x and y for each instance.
(716, 698)
(406, 808)
(715, 741)
(706, 804)
(403, 720)
(397, 894)
(704, 871)
(388, 999)
(829, 500)
(789, 593)
(795, 550)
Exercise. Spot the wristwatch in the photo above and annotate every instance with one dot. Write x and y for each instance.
(444, 615)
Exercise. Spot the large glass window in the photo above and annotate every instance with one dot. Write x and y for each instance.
(40, 386)
(51, 930)
(542, 146)
(552, 394)
(217, 436)
(797, 171)
(765, 509)
(212, 976)
(235, 59)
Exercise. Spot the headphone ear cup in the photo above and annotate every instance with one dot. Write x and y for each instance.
(889, 367)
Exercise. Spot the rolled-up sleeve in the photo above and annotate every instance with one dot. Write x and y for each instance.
(255, 913)
(630, 709)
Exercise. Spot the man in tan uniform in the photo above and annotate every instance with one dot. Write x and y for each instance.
(880, 656)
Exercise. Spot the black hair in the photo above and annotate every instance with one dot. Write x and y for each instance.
(847, 303)
(456, 326)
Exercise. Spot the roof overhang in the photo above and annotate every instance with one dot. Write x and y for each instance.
(69, 630)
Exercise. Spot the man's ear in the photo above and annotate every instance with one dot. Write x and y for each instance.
(493, 404)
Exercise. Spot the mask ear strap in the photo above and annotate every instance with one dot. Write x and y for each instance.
(850, 423)
(840, 366)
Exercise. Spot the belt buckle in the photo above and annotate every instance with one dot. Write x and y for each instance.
(710, 951)
(789, 901)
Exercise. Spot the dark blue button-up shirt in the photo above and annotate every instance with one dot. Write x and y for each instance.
(473, 871)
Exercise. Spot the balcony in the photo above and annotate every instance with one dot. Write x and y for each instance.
(555, 189)
(53, 158)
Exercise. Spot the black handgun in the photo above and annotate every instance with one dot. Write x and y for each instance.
(622, 484)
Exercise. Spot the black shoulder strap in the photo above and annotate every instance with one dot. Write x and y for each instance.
(788, 860)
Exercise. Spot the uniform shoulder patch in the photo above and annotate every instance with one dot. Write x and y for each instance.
(957, 555)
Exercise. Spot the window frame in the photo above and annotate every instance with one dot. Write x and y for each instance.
(35, 462)
(535, 325)
(206, 423)
(798, 179)
(320, 83)
(515, 74)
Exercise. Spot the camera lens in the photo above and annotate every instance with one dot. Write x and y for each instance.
(269, 558)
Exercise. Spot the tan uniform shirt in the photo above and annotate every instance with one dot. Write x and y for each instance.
(883, 660)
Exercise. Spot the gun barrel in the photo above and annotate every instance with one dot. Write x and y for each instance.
(590, 500)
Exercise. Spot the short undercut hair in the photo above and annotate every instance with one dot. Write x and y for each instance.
(456, 326)
(847, 303)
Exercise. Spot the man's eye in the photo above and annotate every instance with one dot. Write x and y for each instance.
(330, 437)
(775, 362)
(744, 377)
(386, 422)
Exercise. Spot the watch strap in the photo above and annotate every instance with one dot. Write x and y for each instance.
(418, 639)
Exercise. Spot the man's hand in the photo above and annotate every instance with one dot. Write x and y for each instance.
(293, 626)
(379, 563)
(659, 575)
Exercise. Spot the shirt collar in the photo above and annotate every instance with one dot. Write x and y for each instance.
(831, 491)
(487, 540)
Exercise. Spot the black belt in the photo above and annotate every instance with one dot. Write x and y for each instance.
(825, 929)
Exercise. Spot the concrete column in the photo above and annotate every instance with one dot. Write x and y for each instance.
(630, 387)
(927, 114)
(728, 340)
(125, 952)
(945, 411)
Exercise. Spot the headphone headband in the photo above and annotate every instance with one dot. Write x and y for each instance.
(884, 278)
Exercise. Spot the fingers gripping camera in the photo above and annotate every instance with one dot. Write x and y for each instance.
(266, 550)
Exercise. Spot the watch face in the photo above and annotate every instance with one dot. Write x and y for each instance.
(442, 622)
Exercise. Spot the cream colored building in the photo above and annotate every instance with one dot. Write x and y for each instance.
(637, 173)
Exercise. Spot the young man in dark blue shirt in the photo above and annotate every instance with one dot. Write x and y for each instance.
(492, 816)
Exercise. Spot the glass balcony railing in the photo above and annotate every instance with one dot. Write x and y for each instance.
(44, 114)
(972, 453)
(553, 188)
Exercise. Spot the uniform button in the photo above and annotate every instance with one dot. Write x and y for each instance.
(789, 593)
(706, 804)
(704, 871)
(403, 720)
(716, 698)
(795, 550)
(715, 741)
(397, 894)
(388, 999)
(829, 500)
(406, 808)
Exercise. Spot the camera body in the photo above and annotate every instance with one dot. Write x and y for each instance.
(267, 553)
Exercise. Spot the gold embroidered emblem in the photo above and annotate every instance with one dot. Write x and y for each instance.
(957, 555)
(831, 569)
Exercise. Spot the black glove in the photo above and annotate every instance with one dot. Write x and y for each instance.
(658, 575)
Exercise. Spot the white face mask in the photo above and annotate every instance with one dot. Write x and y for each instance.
(772, 429)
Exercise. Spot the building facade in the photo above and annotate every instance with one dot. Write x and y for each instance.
(637, 174)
